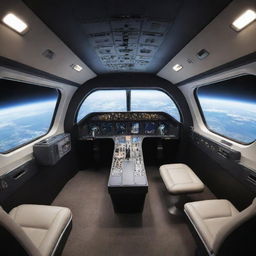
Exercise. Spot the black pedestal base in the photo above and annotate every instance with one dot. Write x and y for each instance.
(128, 200)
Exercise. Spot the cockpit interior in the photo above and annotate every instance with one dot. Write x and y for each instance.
(128, 128)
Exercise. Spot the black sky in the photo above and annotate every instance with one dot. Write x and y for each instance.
(15, 93)
(242, 88)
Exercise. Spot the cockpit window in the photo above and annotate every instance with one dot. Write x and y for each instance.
(128, 100)
(229, 108)
(26, 113)
(103, 101)
(153, 100)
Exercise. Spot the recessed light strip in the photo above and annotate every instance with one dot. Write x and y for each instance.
(244, 20)
(14, 22)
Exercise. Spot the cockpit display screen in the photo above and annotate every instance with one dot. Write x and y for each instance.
(106, 128)
(135, 128)
(131, 124)
(135, 139)
(150, 128)
(121, 128)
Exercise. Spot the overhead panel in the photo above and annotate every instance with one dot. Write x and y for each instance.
(126, 44)
(134, 35)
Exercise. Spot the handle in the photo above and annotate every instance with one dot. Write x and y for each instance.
(19, 174)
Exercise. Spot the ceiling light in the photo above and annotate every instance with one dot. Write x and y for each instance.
(76, 67)
(177, 67)
(15, 23)
(244, 20)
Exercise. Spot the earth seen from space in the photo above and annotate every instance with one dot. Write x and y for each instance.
(22, 123)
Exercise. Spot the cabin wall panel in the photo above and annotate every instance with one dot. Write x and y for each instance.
(247, 151)
(44, 186)
(24, 154)
(217, 178)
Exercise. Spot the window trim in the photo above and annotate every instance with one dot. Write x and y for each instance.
(204, 120)
(51, 124)
(126, 89)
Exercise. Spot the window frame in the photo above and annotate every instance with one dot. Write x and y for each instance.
(59, 96)
(203, 117)
(128, 90)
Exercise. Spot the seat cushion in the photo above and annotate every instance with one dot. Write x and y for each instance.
(179, 179)
(208, 217)
(44, 225)
(13, 239)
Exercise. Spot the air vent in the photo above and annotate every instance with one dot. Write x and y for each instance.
(226, 143)
(202, 54)
(49, 54)
(189, 61)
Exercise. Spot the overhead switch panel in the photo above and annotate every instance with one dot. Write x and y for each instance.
(126, 44)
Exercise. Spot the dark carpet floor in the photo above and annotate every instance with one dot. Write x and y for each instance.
(97, 230)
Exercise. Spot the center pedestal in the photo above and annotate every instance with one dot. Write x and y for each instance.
(128, 183)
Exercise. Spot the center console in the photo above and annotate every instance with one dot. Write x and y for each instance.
(128, 183)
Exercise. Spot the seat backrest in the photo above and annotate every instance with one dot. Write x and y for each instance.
(238, 235)
(14, 241)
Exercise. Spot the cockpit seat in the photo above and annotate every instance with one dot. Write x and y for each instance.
(37, 230)
(179, 180)
(222, 229)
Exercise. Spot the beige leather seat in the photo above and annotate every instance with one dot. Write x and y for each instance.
(215, 220)
(180, 179)
(37, 229)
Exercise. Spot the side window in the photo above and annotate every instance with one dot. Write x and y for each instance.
(103, 101)
(26, 113)
(229, 108)
(153, 100)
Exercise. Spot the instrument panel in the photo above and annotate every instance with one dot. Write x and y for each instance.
(148, 124)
